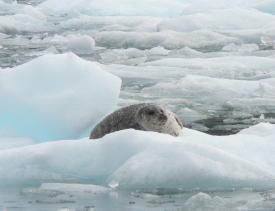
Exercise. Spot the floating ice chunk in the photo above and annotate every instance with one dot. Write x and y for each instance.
(249, 47)
(221, 67)
(115, 27)
(198, 200)
(164, 8)
(224, 19)
(46, 11)
(261, 129)
(203, 201)
(264, 90)
(109, 23)
(73, 187)
(166, 39)
(147, 159)
(204, 5)
(186, 52)
(59, 39)
(158, 51)
(130, 56)
(3, 36)
(113, 183)
(9, 9)
(73, 13)
(261, 116)
(56, 96)
(50, 50)
(33, 12)
(211, 90)
(7, 28)
(267, 41)
(82, 45)
(32, 191)
(18, 40)
(252, 102)
(243, 47)
(22, 22)
(189, 115)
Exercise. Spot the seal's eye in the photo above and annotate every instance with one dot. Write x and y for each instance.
(151, 112)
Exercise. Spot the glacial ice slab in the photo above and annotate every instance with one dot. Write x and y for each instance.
(198, 39)
(223, 19)
(56, 97)
(160, 8)
(139, 159)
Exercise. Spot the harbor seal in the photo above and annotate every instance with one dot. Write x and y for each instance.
(144, 116)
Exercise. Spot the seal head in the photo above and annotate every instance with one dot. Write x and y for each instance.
(159, 119)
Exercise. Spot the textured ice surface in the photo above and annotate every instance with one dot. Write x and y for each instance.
(56, 96)
(164, 8)
(81, 45)
(224, 19)
(25, 23)
(147, 160)
(167, 39)
(210, 90)
(204, 5)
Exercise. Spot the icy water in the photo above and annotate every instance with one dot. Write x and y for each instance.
(34, 198)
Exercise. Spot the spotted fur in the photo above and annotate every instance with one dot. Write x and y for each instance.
(144, 116)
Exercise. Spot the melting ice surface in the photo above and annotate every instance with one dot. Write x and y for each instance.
(66, 65)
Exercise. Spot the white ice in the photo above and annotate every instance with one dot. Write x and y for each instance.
(137, 159)
(164, 8)
(83, 44)
(56, 96)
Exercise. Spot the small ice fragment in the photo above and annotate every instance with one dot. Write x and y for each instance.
(39, 192)
(34, 13)
(83, 44)
(113, 183)
(262, 116)
(265, 39)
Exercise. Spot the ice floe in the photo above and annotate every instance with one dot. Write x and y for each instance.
(137, 159)
(56, 96)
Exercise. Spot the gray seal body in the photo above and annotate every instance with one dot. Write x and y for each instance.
(144, 116)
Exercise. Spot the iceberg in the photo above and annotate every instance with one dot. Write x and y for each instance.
(138, 159)
(56, 97)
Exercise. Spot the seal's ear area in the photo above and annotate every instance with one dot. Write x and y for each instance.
(178, 121)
